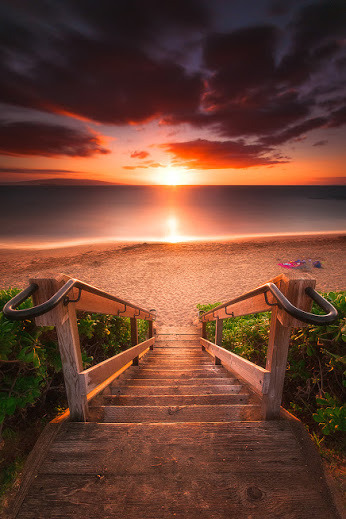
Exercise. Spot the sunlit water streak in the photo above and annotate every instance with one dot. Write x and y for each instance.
(62, 216)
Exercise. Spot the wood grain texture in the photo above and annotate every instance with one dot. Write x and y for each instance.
(177, 389)
(176, 400)
(95, 375)
(98, 304)
(32, 465)
(72, 365)
(179, 413)
(293, 285)
(218, 331)
(279, 338)
(255, 376)
(134, 331)
(197, 470)
(254, 305)
(177, 381)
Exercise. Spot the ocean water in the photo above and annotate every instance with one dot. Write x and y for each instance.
(60, 215)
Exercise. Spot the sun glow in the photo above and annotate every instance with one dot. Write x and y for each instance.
(172, 176)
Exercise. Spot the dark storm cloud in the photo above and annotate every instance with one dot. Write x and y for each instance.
(241, 61)
(295, 132)
(130, 61)
(337, 118)
(98, 61)
(262, 89)
(25, 138)
(205, 154)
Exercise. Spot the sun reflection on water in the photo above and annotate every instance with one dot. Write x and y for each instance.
(172, 224)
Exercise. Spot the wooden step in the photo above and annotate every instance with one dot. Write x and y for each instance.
(181, 358)
(212, 371)
(174, 400)
(176, 382)
(179, 354)
(176, 364)
(185, 413)
(186, 471)
(177, 389)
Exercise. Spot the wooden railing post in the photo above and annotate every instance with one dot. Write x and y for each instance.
(293, 287)
(218, 331)
(151, 332)
(279, 338)
(64, 318)
(204, 330)
(134, 337)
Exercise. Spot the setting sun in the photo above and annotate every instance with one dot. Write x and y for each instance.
(172, 176)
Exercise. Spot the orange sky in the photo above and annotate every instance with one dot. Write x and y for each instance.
(174, 93)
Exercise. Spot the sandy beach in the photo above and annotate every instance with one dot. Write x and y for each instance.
(173, 278)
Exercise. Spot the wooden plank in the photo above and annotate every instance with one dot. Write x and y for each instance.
(179, 413)
(218, 331)
(293, 285)
(257, 377)
(205, 372)
(231, 446)
(167, 364)
(92, 377)
(65, 320)
(177, 381)
(193, 470)
(71, 358)
(176, 400)
(134, 331)
(99, 304)
(170, 494)
(31, 466)
(279, 338)
(151, 330)
(204, 330)
(254, 305)
(218, 389)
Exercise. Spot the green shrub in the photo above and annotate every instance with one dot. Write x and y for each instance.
(331, 415)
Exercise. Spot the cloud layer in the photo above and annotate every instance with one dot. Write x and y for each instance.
(254, 87)
(25, 138)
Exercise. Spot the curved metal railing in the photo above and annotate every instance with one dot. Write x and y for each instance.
(284, 304)
(61, 295)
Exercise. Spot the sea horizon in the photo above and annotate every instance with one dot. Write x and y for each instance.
(64, 216)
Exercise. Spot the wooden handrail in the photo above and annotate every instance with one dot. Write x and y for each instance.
(292, 291)
(80, 384)
(87, 297)
(257, 377)
(257, 301)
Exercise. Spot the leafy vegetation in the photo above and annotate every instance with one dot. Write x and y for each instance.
(31, 383)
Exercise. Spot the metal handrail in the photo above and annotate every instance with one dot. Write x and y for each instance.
(10, 311)
(286, 305)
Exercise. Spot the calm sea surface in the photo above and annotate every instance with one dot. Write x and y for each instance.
(37, 214)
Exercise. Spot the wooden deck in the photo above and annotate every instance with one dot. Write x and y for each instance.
(186, 441)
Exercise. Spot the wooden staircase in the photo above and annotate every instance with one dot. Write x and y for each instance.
(176, 382)
(175, 437)
(166, 429)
